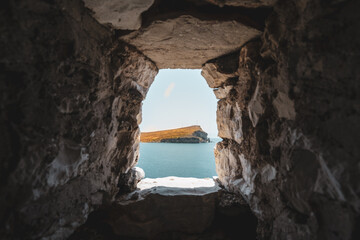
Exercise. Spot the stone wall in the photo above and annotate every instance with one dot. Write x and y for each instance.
(288, 114)
(70, 109)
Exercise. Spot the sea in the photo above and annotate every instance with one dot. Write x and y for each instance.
(178, 159)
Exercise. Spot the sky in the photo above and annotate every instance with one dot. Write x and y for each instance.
(179, 98)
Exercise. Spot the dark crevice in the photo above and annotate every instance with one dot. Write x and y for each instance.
(170, 9)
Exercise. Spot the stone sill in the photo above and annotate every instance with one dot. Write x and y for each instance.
(172, 186)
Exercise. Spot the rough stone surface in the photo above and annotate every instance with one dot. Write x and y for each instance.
(228, 166)
(69, 116)
(164, 204)
(244, 3)
(222, 92)
(188, 42)
(214, 76)
(229, 121)
(289, 116)
(173, 208)
(120, 14)
(201, 134)
(295, 103)
(284, 106)
(128, 181)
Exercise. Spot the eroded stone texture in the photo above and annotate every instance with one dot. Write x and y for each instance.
(214, 77)
(188, 42)
(244, 3)
(128, 181)
(218, 71)
(288, 115)
(172, 208)
(71, 102)
(164, 205)
(227, 160)
(120, 14)
(294, 159)
(316, 145)
(229, 121)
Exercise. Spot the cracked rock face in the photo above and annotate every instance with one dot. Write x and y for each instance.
(120, 14)
(244, 3)
(172, 207)
(289, 165)
(71, 123)
(229, 121)
(72, 85)
(188, 42)
(157, 203)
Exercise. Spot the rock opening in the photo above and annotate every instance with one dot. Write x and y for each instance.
(74, 75)
(179, 109)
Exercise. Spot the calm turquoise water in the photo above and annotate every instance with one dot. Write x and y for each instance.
(177, 159)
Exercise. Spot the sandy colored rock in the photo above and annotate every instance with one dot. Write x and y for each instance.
(222, 92)
(71, 95)
(255, 106)
(128, 181)
(227, 159)
(229, 119)
(217, 71)
(286, 155)
(284, 106)
(244, 3)
(188, 42)
(172, 208)
(81, 123)
(120, 14)
(164, 205)
(214, 77)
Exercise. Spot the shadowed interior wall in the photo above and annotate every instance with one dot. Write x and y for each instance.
(288, 113)
(70, 109)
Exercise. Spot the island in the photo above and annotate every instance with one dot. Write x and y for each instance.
(191, 134)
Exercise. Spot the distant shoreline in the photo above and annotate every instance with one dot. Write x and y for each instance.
(212, 140)
(190, 134)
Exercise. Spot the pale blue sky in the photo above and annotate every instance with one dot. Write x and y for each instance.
(179, 98)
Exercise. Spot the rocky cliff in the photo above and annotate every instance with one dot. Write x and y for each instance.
(191, 134)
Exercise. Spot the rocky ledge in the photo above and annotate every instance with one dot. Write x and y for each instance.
(161, 208)
(191, 134)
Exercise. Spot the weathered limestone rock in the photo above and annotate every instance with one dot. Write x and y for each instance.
(189, 42)
(222, 92)
(172, 208)
(165, 204)
(128, 181)
(229, 121)
(135, 67)
(244, 3)
(255, 107)
(71, 105)
(287, 163)
(121, 14)
(284, 106)
(214, 76)
(71, 95)
(227, 159)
